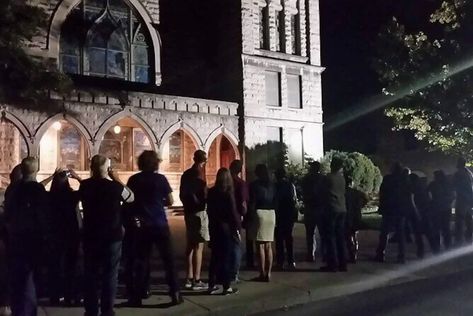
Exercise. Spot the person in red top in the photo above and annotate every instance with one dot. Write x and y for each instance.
(241, 201)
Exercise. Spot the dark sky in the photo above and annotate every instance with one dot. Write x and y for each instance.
(348, 32)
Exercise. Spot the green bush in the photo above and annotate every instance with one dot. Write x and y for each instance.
(366, 176)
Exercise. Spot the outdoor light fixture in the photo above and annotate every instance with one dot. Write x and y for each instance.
(117, 129)
(57, 126)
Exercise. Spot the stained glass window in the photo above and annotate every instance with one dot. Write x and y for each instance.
(106, 38)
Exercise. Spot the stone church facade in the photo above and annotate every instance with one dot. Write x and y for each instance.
(168, 76)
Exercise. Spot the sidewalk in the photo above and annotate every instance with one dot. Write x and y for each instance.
(286, 289)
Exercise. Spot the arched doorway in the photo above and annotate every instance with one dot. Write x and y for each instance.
(15, 149)
(123, 143)
(177, 153)
(220, 155)
(63, 146)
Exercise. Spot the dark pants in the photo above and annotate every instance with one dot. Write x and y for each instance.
(463, 224)
(4, 287)
(391, 223)
(63, 269)
(336, 247)
(284, 242)
(310, 226)
(352, 244)
(250, 251)
(440, 220)
(101, 257)
(220, 268)
(415, 223)
(23, 262)
(138, 261)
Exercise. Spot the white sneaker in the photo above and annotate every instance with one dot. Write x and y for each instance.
(199, 286)
(188, 284)
(5, 311)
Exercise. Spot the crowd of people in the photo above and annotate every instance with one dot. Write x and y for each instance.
(120, 223)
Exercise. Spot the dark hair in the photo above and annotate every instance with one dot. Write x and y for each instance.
(200, 156)
(262, 173)
(396, 168)
(440, 176)
(236, 166)
(314, 166)
(16, 174)
(336, 164)
(148, 161)
(224, 180)
(461, 162)
(280, 173)
(60, 183)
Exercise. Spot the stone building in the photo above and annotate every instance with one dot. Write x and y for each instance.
(173, 76)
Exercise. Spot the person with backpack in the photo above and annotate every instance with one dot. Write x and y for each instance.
(286, 216)
(152, 193)
(25, 209)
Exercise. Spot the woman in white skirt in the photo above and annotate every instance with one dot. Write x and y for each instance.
(263, 220)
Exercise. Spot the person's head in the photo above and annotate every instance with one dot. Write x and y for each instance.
(236, 167)
(461, 163)
(314, 167)
(60, 182)
(280, 174)
(440, 176)
(15, 174)
(29, 167)
(200, 157)
(262, 173)
(336, 165)
(149, 160)
(396, 168)
(99, 166)
(224, 181)
(415, 179)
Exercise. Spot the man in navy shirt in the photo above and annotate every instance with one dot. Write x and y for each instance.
(150, 225)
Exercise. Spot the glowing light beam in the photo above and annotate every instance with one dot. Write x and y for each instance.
(381, 101)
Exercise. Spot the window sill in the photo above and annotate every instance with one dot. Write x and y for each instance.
(283, 56)
(274, 107)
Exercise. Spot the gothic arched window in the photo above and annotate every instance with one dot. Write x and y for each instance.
(106, 38)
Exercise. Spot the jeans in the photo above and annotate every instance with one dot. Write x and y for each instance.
(236, 260)
(310, 226)
(138, 256)
(284, 242)
(441, 229)
(336, 246)
(100, 255)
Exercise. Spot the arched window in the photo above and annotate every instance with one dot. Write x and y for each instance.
(106, 38)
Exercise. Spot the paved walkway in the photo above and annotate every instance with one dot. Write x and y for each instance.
(286, 288)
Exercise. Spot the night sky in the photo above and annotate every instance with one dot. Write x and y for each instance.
(348, 32)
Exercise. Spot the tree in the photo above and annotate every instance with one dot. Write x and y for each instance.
(433, 64)
(25, 80)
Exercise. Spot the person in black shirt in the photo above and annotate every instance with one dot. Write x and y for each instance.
(263, 219)
(25, 206)
(463, 184)
(102, 231)
(355, 200)
(286, 216)
(442, 194)
(224, 227)
(193, 194)
(152, 193)
(65, 231)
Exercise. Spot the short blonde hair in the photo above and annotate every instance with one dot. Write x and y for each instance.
(29, 166)
(98, 163)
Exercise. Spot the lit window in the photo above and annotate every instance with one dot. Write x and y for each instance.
(105, 38)
(273, 88)
(293, 141)
(14, 144)
(294, 98)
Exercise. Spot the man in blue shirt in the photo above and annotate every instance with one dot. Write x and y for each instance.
(149, 225)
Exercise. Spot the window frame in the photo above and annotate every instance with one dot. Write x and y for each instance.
(278, 88)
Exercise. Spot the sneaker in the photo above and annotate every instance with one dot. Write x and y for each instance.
(213, 290)
(188, 284)
(199, 286)
(230, 291)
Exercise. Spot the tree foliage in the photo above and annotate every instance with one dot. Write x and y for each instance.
(434, 64)
(26, 80)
